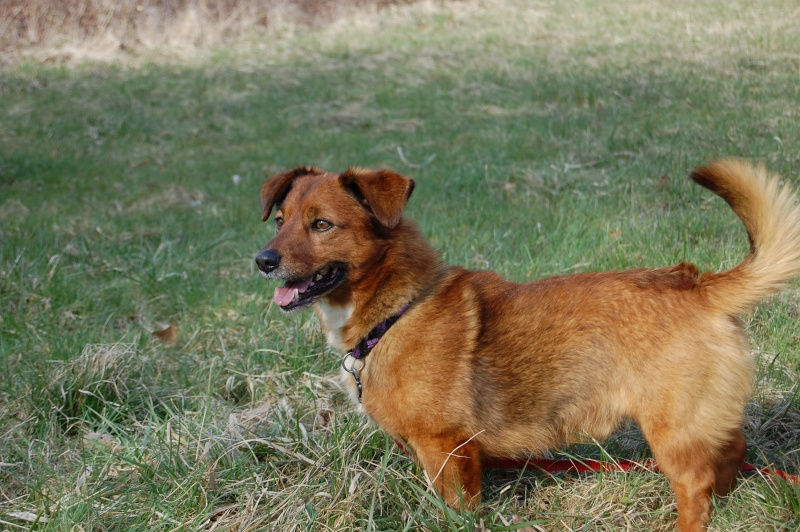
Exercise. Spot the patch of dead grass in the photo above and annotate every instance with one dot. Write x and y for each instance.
(112, 29)
(567, 35)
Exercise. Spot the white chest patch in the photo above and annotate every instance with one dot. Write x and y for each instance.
(334, 318)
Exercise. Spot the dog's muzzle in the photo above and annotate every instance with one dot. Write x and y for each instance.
(267, 260)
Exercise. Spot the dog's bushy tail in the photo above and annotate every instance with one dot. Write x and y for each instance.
(771, 215)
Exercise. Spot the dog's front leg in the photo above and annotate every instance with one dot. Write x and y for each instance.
(453, 464)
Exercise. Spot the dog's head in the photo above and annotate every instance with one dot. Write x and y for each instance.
(331, 229)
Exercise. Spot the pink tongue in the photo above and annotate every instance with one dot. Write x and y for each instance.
(285, 294)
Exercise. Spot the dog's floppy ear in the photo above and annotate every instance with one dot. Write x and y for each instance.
(276, 187)
(383, 192)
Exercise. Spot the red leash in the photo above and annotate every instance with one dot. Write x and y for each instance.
(595, 466)
(583, 465)
(587, 465)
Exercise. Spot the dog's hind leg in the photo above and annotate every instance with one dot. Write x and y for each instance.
(453, 465)
(691, 466)
(729, 462)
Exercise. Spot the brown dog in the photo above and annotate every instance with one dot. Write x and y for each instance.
(471, 367)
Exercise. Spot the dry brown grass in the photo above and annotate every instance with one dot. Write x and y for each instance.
(65, 30)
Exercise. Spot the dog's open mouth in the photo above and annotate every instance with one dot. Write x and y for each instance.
(301, 292)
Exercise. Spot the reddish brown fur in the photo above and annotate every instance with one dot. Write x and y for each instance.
(481, 368)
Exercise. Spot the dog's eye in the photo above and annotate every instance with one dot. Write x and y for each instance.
(321, 225)
(279, 222)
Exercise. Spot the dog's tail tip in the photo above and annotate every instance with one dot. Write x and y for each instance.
(770, 213)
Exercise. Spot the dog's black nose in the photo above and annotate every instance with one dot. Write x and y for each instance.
(267, 260)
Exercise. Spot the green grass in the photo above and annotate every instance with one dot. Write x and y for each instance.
(544, 137)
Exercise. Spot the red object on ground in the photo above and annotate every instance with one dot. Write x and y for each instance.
(588, 465)
(583, 465)
(596, 466)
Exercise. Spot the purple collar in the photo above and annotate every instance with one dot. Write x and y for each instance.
(373, 337)
(360, 351)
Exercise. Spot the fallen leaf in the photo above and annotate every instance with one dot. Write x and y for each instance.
(257, 413)
(168, 336)
(30, 517)
(100, 438)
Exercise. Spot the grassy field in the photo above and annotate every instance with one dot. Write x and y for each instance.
(147, 382)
